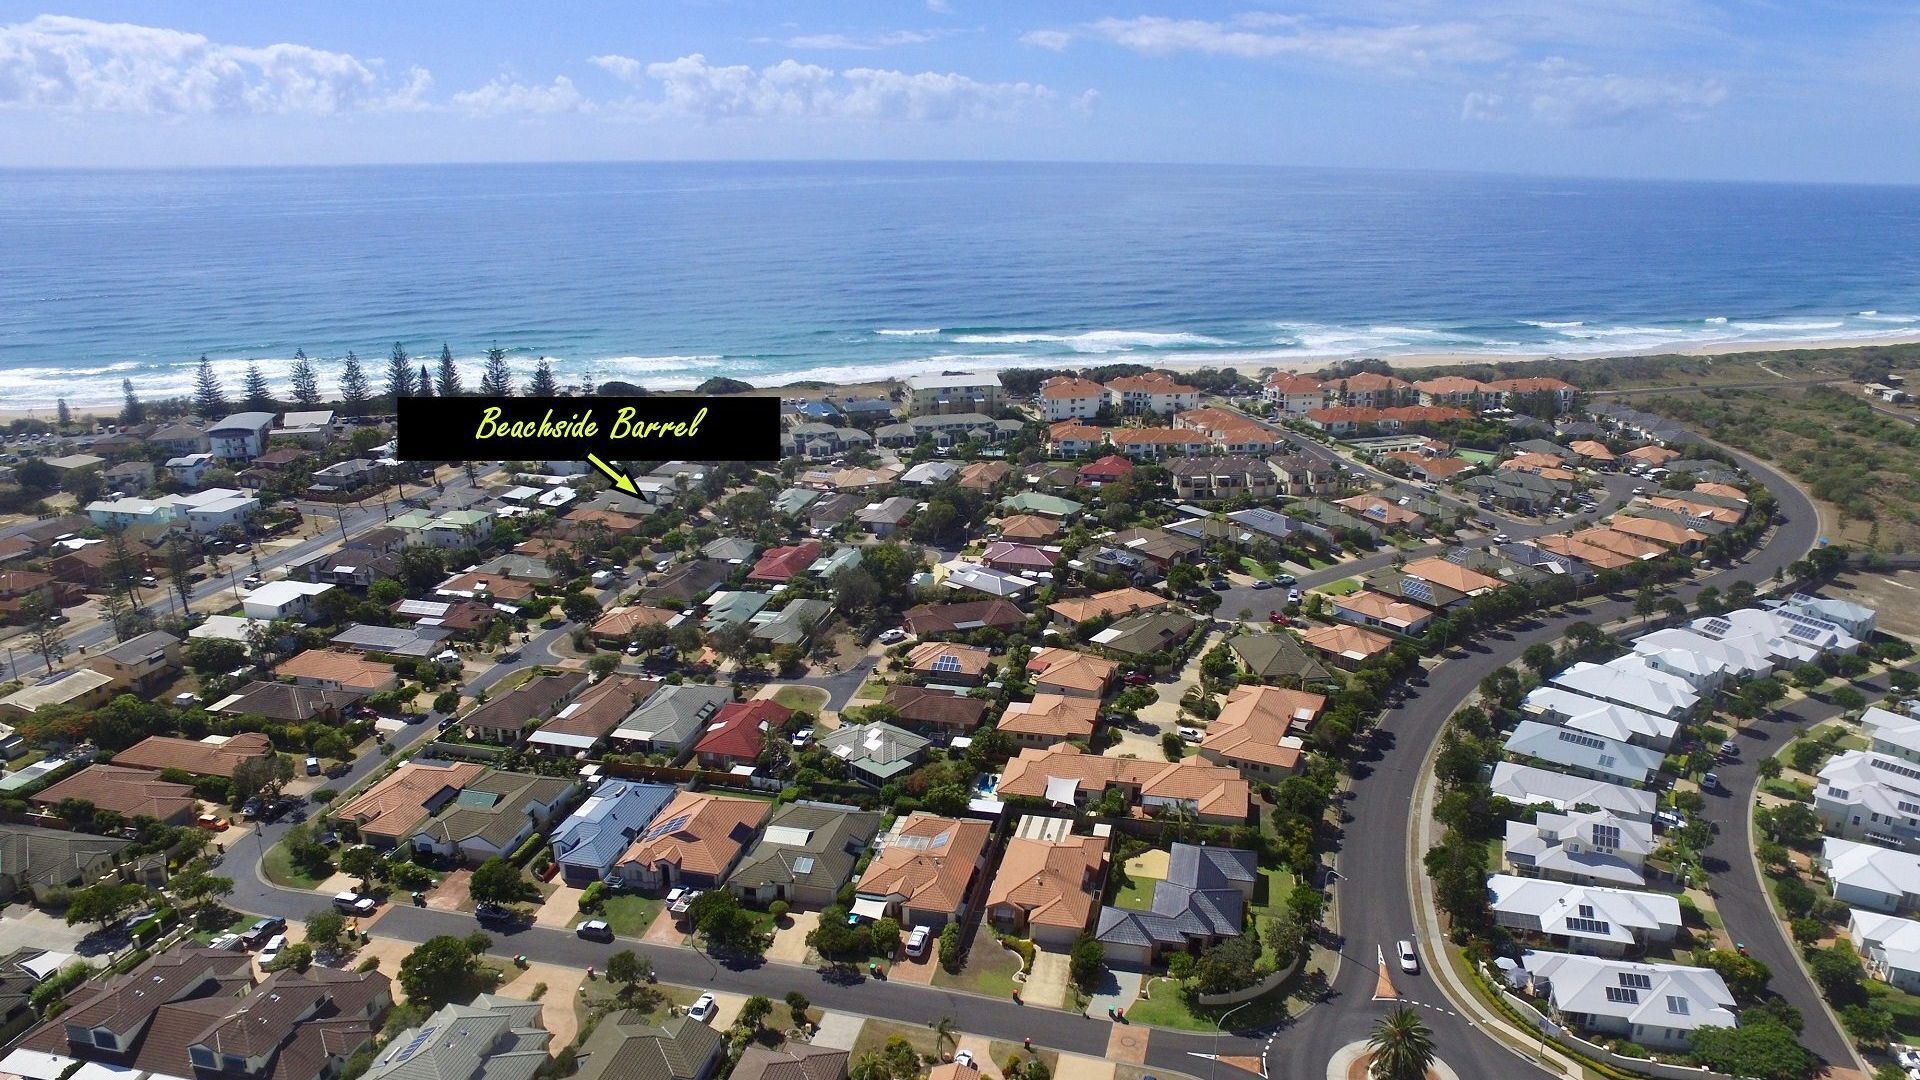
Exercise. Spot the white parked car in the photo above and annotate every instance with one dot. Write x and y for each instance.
(1409, 960)
(964, 1057)
(917, 941)
(1190, 734)
(893, 636)
(703, 1008)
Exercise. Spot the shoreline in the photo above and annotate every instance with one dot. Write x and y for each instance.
(109, 412)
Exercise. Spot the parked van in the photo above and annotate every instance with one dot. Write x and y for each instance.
(602, 578)
(313, 766)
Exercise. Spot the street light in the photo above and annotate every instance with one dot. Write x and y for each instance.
(1220, 1035)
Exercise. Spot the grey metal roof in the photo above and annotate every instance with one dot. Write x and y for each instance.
(399, 641)
(137, 649)
(494, 1038)
(814, 843)
(603, 827)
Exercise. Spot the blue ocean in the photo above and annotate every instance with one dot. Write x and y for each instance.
(667, 274)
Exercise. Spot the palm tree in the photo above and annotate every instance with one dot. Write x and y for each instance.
(1401, 1046)
(942, 1035)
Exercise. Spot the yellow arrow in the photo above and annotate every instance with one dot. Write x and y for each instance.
(619, 478)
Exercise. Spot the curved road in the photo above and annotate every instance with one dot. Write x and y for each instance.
(1373, 861)
(1374, 856)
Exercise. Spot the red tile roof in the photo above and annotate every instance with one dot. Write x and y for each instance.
(782, 563)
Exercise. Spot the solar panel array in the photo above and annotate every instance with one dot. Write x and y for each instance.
(1606, 836)
(1589, 926)
(947, 662)
(1621, 995)
(1716, 628)
(1415, 589)
(1589, 741)
(414, 1045)
(671, 825)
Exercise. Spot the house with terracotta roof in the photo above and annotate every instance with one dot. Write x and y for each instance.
(1369, 608)
(694, 841)
(1665, 533)
(1049, 719)
(1153, 392)
(962, 618)
(1385, 513)
(949, 663)
(1593, 555)
(1507, 392)
(923, 874)
(1012, 558)
(617, 624)
(1651, 455)
(1071, 438)
(332, 669)
(782, 564)
(1074, 674)
(1346, 646)
(1154, 443)
(1259, 731)
(1451, 390)
(1104, 470)
(1028, 528)
(1371, 390)
(398, 804)
(926, 708)
(1067, 776)
(1438, 571)
(1437, 469)
(1592, 452)
(1049, 882)
(1110, 604)
(1637, 548)
(1069, 397)
(792, 1061)
(984, 475)
(1293, 394)
(1229, 432)
(738, 733)
(215, 755)
(130, 793)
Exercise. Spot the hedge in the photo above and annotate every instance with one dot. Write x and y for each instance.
(528, 848)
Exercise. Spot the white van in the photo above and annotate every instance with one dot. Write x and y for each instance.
(313, 766)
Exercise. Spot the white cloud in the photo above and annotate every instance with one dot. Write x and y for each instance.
(939, 7)
(1086, 103)
(690, 86)
(624, 68)
(1561, 92)
(887, 40)
(1047, 39)
(1265, 35)
(59, 63)
(506, 96)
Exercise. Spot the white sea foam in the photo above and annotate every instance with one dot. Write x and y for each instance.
(1715, 320)
(1789, 327)
(1093, 341)
(928, 331)
(1549, 324)
(1902, 320)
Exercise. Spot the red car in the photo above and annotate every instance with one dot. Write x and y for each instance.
(1136, 678)
(1278, 619)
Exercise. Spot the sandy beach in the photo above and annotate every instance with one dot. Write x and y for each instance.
(1401, 361)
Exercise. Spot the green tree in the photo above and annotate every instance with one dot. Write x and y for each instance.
(44, 635)
(1539, 657)
(132, 412)
(259, 396)
(449, 373)
(497, 379)
(498, 881)
(1401, 1046)
(543, 384)
(354, 388)
(1836, 969)
(628, 968)
(1760, 1046)
(360, 861)
(1645, 603)
(753, 1011)
(443, 969)
(306, 381)
(399, 373)
(325, 927)
(209, 400)
(423, 383)
(1087, 961)
(798, 1004)
(104, 902)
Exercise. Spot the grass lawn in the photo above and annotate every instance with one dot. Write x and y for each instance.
(25, 759)
(876, 1033)
(801, 698)
(217, 924)
(280, 869)
(989, 969)
(1340, 588)
(1137, 895)
(1253, 569)
(1905, 1008)
(601, 996)
(1168, 1008)
(873, 689)
(629, 914)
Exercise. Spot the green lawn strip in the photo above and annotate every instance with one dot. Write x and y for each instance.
(628, 914)
(1253, 569)
(801, 698)
(1905, 1008)
(279, 868)
(1478, 457)
(1339, 588)
(1137, 894)
(875, 1033)
(873, 689)
(1168, 1008)
(989, 969)
(25, 760)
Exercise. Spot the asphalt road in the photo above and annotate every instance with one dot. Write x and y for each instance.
(1372, 894)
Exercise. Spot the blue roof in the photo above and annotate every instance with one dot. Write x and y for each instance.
(617, 811)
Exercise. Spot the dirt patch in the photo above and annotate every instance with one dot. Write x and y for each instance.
(1896, 596)
(451, 894)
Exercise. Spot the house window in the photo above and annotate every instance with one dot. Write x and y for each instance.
(105, 1039)
(203, 1058)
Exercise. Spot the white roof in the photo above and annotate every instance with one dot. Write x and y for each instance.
(1579, 749)
(1527, 785)
(1591, 845)
(225, 628)
(1888, 938)
(1870, 867)
(1781, 634)
(1629, 681)
(1653, 995)
(1889, 729)
(1734, 659)
(1878, 782)
(282, 593)
(1583, 713)
(1586, 912)
(35, 1065)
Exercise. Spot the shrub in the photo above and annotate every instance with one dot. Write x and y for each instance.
(950, 948)
(528, 848)
(371, 963)
(778, 909)
(593, 897)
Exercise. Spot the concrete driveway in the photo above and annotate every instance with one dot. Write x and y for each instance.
(559, 909)
(1047, 982)
(23, 927)
(790, 941)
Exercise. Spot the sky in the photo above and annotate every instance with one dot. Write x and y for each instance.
(1762, 90)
